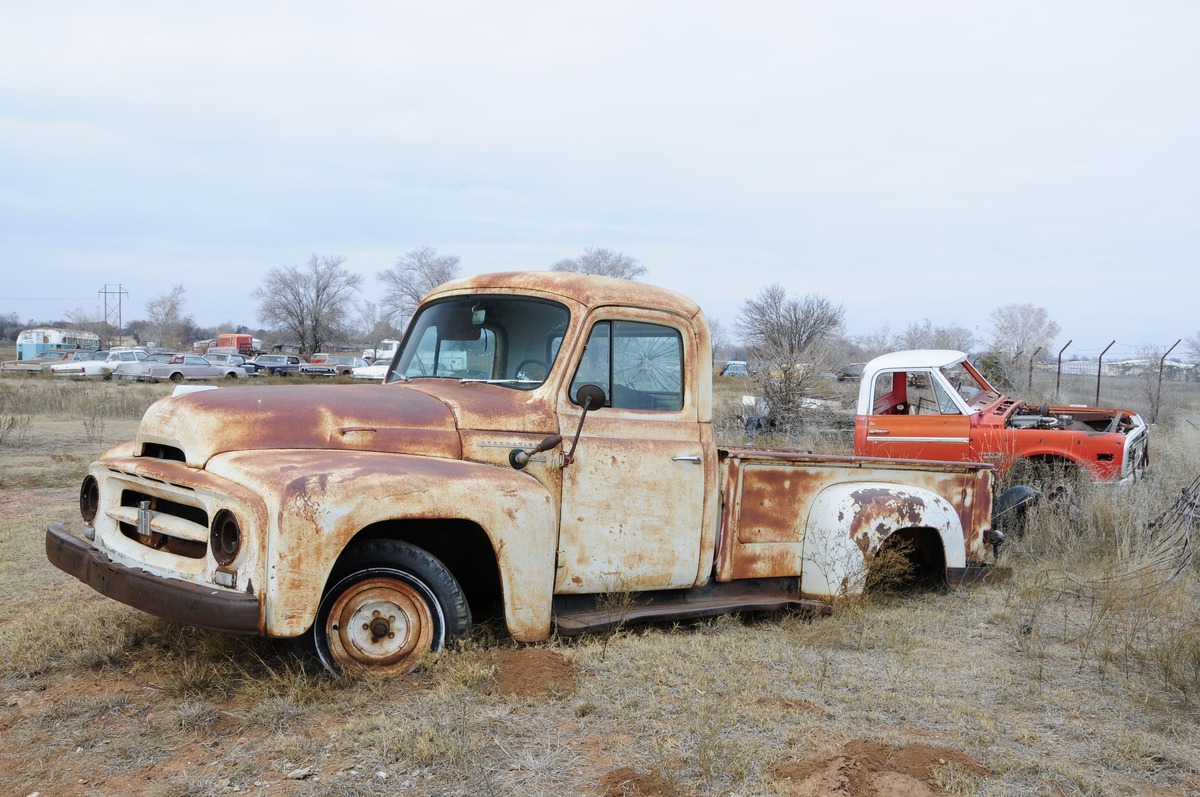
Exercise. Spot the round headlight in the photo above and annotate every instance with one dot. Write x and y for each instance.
(225, 538)
(89, 499)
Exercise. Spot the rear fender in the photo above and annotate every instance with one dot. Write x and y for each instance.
(318, 501)
(849, 522)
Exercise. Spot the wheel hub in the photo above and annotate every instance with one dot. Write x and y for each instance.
(379, 624)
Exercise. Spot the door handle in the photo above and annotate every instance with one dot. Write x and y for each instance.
(873, 432)
(695, 460)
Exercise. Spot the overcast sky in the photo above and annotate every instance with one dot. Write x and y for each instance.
(910, 161)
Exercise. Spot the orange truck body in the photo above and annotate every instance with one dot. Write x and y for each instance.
(933, 404)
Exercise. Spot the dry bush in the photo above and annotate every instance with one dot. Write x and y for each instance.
(14, 429)
(1111, 574)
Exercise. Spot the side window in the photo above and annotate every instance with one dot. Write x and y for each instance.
(888, 395)
(639, 365)
(595, 368)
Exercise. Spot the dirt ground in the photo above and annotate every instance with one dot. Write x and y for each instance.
(856, 769)
(990, 691)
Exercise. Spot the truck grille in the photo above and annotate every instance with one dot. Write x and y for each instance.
(164, 525)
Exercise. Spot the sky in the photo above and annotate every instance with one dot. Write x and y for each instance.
(908, 161)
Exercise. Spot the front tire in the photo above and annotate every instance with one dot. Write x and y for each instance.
(388, 606)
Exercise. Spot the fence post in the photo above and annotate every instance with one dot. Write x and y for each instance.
(1029, 380)
(1099, 368)
(1058, 377)
(1161, 363)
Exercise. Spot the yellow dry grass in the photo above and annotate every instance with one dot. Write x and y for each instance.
(1080, 675)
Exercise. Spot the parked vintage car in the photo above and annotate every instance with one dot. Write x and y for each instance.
(36, 365)
(376, 370)
(736, 368)
(100, 367)
(276, 364)
(332, 365)
(226, 358)
(133, 370)
(180, 368)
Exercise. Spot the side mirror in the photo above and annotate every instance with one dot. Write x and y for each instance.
(590, 397)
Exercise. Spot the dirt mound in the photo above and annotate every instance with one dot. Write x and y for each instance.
(532, 672)
(872, 769)
(628, 782)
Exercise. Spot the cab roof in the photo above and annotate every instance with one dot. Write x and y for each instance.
(585, 289)
(915, 358)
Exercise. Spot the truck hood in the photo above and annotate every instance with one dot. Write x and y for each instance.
(196, 425)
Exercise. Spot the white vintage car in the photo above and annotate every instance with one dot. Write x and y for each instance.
(179, 368)
(376, 370)
(100, 368)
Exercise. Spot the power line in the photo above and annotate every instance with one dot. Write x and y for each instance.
(112, 304)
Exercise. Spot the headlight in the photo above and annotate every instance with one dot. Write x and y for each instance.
(89, 499)
(225, 538)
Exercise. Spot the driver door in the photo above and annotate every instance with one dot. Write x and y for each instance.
(633, 499)
(914, 418)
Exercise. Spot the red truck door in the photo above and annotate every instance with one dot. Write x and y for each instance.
(633, 499)
(912, 417)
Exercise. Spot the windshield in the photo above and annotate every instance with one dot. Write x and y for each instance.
(505, 340)
(970, 384)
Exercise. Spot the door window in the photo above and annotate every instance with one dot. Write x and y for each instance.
(639, 365)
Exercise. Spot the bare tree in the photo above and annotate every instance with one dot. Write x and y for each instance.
(926, 336)
(722, 346)
(373, 324)
(604, 262)
(413, 275)
(1018, 330)
(875, 343)
(310, 303)
(786, 338)
(1193, 347)
(1022, 328)
(168, 323)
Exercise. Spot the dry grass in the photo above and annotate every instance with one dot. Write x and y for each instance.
(1080, 675)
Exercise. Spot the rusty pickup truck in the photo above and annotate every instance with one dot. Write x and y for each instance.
(542, 443)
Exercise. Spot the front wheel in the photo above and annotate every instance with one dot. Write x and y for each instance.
(1058, 480)
(389, 605)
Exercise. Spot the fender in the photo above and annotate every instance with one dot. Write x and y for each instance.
(835, 562)
(317, 501)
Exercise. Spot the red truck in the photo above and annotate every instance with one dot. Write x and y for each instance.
(933, 404)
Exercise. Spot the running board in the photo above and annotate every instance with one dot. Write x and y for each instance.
(584, 614)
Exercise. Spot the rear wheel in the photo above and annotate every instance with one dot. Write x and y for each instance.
(389, 605)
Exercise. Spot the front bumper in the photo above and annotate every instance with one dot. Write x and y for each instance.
(171, 599)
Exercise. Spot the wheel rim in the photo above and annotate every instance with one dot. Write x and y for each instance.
(382, 625)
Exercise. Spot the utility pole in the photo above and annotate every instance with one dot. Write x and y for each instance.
(112, 305)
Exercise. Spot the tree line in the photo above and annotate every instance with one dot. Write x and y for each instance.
(798, 338)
